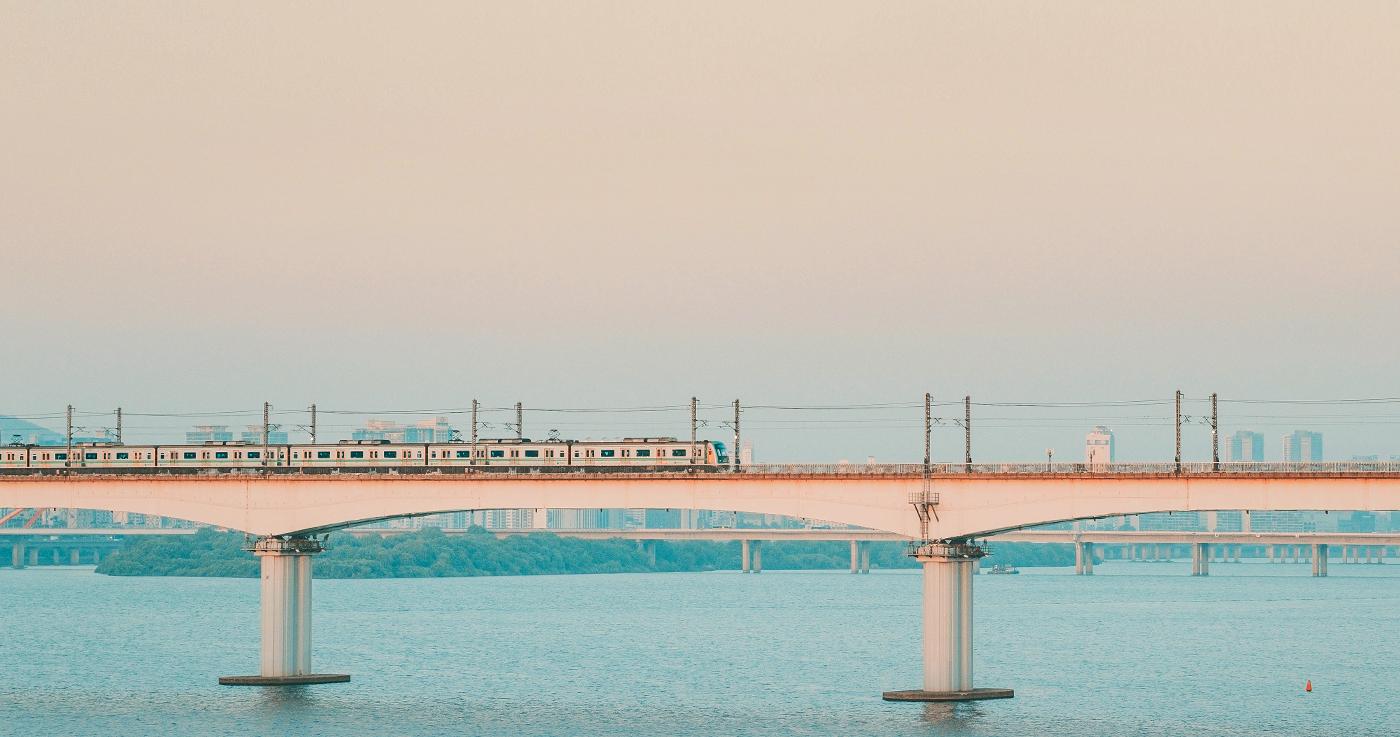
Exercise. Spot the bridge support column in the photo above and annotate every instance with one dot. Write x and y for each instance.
(855, 557)
(286, 615)
(1319, 560)
(648, 548)
(757, 556)
(1200, 559)
(34, 556)
(744, 555)
(75, 556)
(865, 557)
(17, 555)
(947, 593)
(1083, 559)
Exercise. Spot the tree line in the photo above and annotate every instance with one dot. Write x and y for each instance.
(428, 553)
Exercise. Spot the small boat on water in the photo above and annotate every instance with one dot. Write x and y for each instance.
(1000, 569)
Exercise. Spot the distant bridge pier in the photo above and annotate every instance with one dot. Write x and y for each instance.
(17, 554)
(855, 556)
(1200, 559)
(1319, 560)
(286, 615)
(744, 555)
(865, 557)
(757, 566)
(947, 614)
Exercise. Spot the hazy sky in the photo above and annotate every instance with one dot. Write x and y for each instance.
(402, 205)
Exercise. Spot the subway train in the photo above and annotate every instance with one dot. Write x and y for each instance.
(659, 453)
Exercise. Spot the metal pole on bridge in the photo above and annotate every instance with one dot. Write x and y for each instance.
(68, 457)
(119, 426)
(734, 452)
(472, 462)
(519, 422)
(267, 424)
(928, 434)
(967, 432)
(313, 423)
(692, 430)
(1214, 434)
(1178, 431)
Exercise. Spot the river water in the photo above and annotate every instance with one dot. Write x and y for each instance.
(1139, 649)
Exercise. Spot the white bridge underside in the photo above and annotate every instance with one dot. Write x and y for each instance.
(968, 506)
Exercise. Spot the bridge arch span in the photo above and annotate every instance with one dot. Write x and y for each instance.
(287, 504)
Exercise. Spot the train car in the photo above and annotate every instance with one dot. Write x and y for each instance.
(504, 452)
(359, 454)
(14, 456)
(220, 454)
(112, 455)
(658, 451)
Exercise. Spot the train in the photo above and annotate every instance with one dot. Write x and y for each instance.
(649, 453)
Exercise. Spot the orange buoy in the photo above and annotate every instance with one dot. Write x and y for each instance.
(1308, 687)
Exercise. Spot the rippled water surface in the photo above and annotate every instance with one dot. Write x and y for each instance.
(1139, 649)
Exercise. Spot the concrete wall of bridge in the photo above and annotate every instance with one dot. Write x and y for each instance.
(975, 505)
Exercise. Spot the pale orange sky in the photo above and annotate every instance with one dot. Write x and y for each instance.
(405, 204)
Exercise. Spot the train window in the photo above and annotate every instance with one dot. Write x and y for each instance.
(221, 455)
(189, 456)
(498, 454)
(357, 454)
(643, 452)
(608, 453)
(90, 456)
(391, 454)
(122, 456)
(464, 454)
(678, 452)
(532, 454)
(323, 454)
(549, 454)
(626, 452)
(58, 456)
(254, 454)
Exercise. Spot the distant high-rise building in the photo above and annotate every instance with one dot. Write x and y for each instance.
(210, 434)
(254, 436)
(1244, 445)
(1302, 445)
(1099, 447)
(428, 431)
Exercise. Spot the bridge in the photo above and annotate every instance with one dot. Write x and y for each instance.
(945, 507)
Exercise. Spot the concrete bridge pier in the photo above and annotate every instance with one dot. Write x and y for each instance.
(1319, 560)
(855, 557)
(17, 555)
(286, 615)
(75, 556)
(1200, 559)
(33, 556)
(865, 557)
(1083, 559)
(947, 619)
(744, 556)
(757, 557)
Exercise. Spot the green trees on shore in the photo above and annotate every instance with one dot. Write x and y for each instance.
(428, 553)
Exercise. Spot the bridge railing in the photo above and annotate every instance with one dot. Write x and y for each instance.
(1205, 468)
